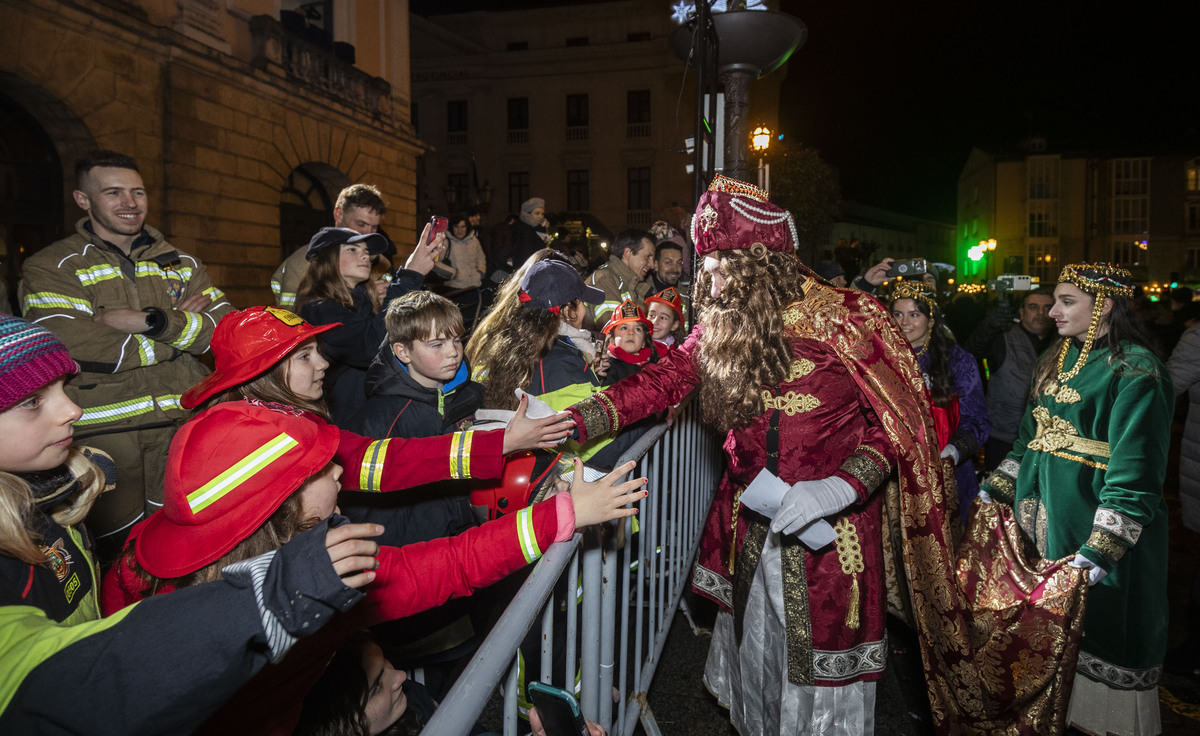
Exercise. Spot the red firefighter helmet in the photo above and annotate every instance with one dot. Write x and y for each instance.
(525, 473)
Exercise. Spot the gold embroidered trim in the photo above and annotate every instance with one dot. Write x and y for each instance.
(1063, 394)
(1056, 433)
(1002, 486)
(799, 369)
(850, 556)
(887, 467)
(790, 403)
(613, 417)
(595, 417)
(797, 617)
(865, 470)
(1114, 522)
(1107, 544)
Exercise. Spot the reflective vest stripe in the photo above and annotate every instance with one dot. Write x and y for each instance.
(245, 469)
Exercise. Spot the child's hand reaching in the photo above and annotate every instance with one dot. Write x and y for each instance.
(524, 433)
(353, 553)
(604, 499)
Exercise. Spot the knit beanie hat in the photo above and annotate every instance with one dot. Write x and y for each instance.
(30, 357)
(532, 204)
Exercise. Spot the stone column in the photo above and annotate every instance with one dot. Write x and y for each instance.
(737, 123)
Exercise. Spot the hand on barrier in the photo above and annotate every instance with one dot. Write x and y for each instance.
(605, 499)
(524, 433)
(809, 500)
(353, 553)
(1095, 573)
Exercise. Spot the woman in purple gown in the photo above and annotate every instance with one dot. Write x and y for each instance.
(952, 378)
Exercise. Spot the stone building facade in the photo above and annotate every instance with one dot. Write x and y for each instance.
(1045, 209)
(246, 120)
(582, 105)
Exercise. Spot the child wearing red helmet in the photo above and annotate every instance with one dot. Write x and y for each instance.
(66, 669)
(664, 311)
(245, 475)
(628, 343)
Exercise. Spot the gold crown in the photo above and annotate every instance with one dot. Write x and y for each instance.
(1101, 279)
(723, 183)
(915, 291)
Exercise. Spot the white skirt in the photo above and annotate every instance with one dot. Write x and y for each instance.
(1099, 709)
(751, 680)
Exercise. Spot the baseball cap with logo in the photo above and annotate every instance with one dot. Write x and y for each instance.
(228, 470)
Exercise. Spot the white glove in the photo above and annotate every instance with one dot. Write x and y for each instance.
(1095, 573)
(950, 451)
(984, 497)
(809, 500)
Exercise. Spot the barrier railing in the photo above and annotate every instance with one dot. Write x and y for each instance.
(639, 599)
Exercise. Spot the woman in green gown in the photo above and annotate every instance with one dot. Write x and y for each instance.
(1085, 482)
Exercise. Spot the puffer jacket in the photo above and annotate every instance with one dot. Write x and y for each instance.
(127, 382)
(1184, 367)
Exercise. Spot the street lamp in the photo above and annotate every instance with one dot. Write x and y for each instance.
(760, 141)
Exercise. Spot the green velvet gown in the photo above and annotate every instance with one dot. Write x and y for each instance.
(1092, 456)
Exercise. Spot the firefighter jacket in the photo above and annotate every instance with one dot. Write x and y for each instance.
(127, 382)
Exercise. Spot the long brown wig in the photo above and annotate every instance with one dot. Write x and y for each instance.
(743, 347)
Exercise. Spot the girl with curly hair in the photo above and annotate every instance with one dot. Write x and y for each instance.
(960, 413)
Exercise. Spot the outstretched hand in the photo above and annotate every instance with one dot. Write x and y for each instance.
(353, 553)
(427, 252)
(878, 273)
(605, 499)
(524, 433)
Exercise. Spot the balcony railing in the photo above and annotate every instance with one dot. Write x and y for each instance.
(577, 132)
(637, 130)
(456, 138)
(518, 136)
(302, 63)
(639, 217)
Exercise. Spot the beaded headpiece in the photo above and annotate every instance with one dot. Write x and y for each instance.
(1100, 280)
(734, 215)
(917, 292)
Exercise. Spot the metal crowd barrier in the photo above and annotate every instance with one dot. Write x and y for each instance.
(683, 463)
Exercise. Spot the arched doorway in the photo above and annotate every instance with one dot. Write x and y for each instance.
(31, 187)
(306, 203)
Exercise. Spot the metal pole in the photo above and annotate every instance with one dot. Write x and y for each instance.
(589, 664)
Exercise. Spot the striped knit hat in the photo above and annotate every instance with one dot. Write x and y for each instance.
(30, 357)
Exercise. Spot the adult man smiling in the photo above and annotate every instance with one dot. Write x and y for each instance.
(133, 311)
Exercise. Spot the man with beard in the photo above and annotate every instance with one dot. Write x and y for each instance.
(668, 270)
(816, 385)
(134, 311)
(1011, 351)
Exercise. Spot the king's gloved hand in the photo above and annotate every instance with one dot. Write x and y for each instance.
(809, 500)
(1094, 571)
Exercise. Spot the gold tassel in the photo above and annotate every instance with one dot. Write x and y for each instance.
(852, 614)
(850, 557)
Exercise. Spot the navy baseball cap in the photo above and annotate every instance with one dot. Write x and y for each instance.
(551, 283)
(327, 236)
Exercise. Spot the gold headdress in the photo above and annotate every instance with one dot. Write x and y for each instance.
(917, 292)
(1100, 280)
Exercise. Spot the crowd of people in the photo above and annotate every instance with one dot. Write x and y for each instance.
(308, 520)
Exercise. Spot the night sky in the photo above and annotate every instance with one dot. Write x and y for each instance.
(895, 94)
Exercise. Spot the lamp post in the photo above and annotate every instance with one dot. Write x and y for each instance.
(760, 141)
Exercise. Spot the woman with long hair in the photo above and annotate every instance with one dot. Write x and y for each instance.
(334, 290)
(959, 408)
(1085, 482)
